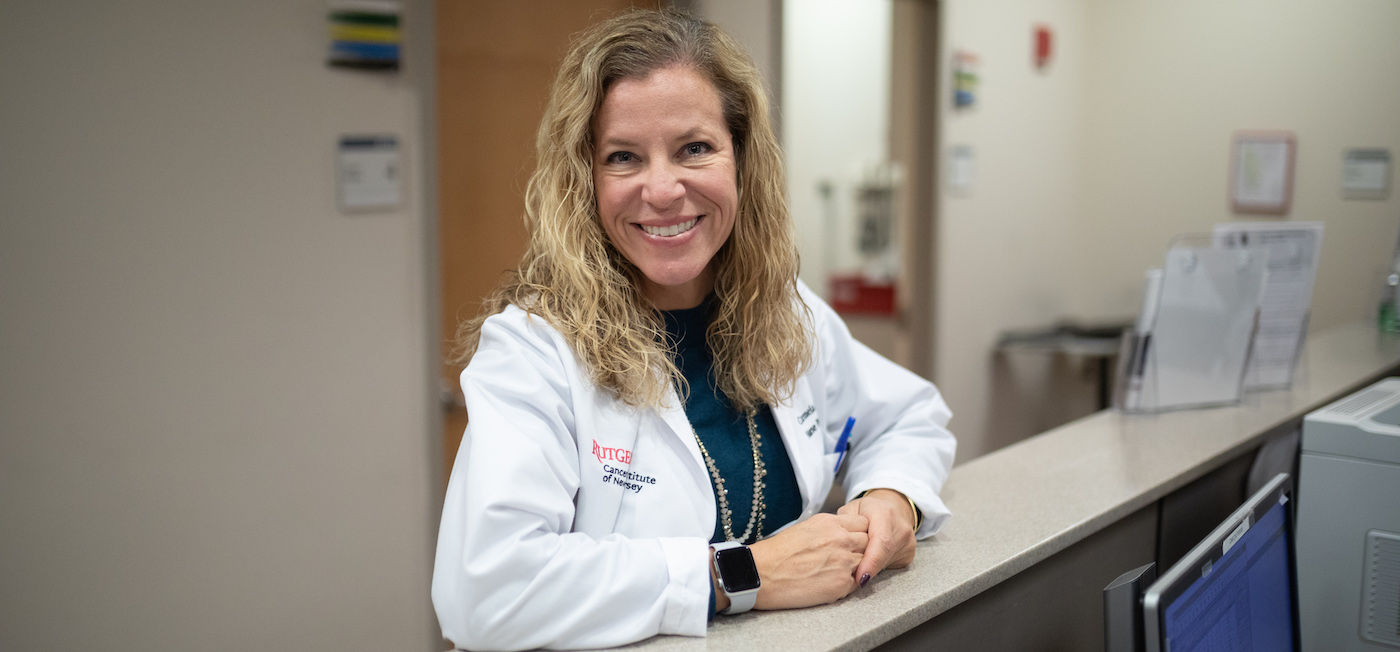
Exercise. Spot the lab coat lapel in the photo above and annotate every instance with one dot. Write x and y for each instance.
(673, 414)
(796, 417)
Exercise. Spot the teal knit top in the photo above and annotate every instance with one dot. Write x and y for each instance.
(725, 432)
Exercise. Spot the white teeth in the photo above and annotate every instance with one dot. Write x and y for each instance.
(671, 230)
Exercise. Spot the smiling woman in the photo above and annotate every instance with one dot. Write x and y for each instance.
(664, 172)
(655, 402)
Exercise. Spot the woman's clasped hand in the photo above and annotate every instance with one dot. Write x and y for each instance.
(892, 523)
(826, 557)
(811, 563)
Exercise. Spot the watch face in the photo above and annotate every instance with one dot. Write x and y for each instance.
(737, 570)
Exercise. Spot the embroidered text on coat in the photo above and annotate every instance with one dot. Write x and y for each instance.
(615, 454)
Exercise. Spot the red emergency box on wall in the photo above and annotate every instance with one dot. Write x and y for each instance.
(853, 294)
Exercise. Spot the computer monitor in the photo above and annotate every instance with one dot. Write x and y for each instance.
(1236, 590)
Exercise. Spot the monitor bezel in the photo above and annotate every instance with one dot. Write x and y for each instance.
(1186, 571)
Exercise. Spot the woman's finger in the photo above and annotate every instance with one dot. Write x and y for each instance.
(853, 522)
(878, 548)
(858, 542)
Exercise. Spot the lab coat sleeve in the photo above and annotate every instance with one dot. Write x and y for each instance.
(901, 440)
(509, 573)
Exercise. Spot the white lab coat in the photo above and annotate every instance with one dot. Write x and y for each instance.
(574, 521)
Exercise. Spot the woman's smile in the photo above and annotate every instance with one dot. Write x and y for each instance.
(670, 231)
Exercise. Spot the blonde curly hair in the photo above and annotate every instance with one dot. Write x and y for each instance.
(576, 280)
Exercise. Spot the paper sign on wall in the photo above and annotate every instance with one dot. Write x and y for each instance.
(962, 168)
(1366, 174)
(367, 173)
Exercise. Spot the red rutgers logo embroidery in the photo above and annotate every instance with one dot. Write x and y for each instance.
(620, 455)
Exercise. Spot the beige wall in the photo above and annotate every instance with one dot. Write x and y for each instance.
(1085, 172)
(1173, 81)
(215, 398)
(756, 25)
(1011, 252)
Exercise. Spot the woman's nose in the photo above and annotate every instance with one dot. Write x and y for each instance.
(663, 186)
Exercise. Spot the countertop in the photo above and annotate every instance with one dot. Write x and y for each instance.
(1017, 506)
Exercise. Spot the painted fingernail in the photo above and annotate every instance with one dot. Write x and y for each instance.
(864, 578)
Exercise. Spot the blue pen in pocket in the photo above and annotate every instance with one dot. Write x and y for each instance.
(843, 442)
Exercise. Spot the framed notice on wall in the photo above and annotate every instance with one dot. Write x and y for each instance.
(1261, 172)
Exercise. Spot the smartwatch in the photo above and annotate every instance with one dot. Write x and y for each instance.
(738, 575)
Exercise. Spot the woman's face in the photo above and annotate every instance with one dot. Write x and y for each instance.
(664, 173)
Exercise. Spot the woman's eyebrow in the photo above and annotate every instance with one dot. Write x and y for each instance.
(614, 141)
(693, 132)
(619, 141)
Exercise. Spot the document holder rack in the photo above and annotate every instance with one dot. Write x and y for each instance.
(1191, 344)
(1284, 308)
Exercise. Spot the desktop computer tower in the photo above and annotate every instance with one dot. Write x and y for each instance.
(1348, 528)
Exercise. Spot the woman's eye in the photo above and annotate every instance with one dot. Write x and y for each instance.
(621, 157)
(696, 149)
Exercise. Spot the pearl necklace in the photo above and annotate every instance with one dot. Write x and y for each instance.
(759, 471)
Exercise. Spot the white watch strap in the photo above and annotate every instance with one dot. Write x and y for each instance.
(743, 600)
(740, 602)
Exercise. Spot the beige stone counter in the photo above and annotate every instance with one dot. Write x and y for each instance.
(1021, 504)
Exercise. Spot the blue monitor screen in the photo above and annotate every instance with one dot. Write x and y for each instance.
(1244, 602)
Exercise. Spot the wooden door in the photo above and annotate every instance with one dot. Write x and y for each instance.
(495, 62)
